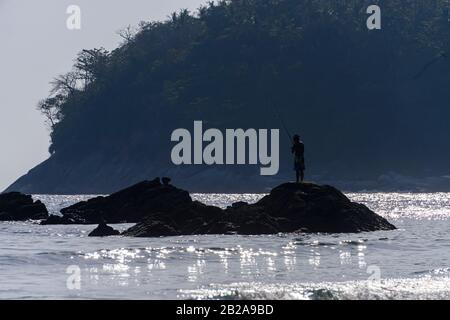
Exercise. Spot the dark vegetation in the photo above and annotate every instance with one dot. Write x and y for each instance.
(365, 102)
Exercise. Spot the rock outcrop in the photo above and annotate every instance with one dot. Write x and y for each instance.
(133, 205)
(306, 208)
(15, 206)
(103, 230)
(160, 209)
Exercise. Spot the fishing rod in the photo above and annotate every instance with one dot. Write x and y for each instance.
(442, 55)
(270, 105)
(283, 124)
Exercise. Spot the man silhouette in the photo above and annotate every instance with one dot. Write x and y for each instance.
(298, 149)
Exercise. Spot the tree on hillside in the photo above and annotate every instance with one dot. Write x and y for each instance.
(233, 61)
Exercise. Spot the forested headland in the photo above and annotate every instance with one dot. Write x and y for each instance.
(366, 103)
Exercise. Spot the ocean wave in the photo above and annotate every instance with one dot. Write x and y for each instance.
(422, 288)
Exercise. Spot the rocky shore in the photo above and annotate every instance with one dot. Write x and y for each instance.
(159, 209)
(289, 208)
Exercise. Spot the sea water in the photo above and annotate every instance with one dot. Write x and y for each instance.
(413, 262)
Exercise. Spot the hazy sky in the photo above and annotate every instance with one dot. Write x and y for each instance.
(36, 46)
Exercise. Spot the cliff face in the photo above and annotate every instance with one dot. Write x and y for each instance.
(365, 103)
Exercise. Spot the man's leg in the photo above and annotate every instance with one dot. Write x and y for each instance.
(302, 175)
(297, 174)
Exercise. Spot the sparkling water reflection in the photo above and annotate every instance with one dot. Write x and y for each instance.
(413, 261)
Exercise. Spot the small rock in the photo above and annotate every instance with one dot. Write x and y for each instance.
(166, 181)
(238, 205)
(103, 230)
(53, 220)
(151, 229)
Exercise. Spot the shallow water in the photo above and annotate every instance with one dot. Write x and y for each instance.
(410, 263)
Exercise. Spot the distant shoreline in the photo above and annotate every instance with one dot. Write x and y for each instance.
(210, 184)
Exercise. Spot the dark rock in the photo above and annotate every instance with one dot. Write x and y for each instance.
(16, 206)
(166, 181)
(53, 220)
(185, 220)
(130, 205)
(103, 230)
(308, 207)
(151, 228)
(305, 208)
(238, 205)
(163, 210)
(56, 220)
